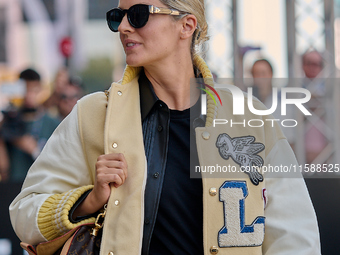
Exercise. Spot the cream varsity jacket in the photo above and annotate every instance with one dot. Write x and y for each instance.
(274, 216)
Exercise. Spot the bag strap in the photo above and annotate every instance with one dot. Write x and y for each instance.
(67, 245)
(29, 248)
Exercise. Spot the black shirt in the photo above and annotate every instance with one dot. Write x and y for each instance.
(179, 221)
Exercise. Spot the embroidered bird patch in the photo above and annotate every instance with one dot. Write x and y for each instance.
(244, 152)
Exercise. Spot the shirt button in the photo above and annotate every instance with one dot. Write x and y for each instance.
(147, 221)
(156, 175)
(119, 93)
(160, 128)
(114, 145)
(213, 250)
(206, 135)
(213, 192)
(111, 253)
(117, 202)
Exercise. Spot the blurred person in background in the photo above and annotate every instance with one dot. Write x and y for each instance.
(61, 81)
(4, 161)
(312, 65)
(315, 140)
(26, 129)
(262, 72)
(71, 93)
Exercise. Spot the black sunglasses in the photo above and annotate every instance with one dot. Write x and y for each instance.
(138, 15)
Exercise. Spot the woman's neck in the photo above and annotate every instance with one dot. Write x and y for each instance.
(171, 83)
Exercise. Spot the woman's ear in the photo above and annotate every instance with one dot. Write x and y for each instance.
(189, 25)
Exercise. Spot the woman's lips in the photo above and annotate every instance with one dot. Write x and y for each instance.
(129, 45)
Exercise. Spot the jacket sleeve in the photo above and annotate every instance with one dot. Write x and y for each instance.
(53, 184)
(291, 224)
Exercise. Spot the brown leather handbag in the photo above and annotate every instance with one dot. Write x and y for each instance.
(82, 240)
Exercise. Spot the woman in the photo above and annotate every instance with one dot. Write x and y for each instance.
(140, 166)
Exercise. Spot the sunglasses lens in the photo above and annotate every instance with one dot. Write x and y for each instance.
(114, 18)
(138, 15)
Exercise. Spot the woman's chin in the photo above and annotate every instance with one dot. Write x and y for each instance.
(133, 62)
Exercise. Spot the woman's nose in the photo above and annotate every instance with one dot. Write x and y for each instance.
(125, 26)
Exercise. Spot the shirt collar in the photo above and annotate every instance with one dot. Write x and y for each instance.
(148, 97)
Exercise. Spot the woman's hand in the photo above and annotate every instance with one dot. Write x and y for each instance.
(110, 169)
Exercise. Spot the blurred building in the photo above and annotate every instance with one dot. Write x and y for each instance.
(31, 32)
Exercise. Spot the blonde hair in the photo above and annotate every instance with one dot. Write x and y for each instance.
(195, 7)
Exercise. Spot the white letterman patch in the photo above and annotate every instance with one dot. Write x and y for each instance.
(235, 232)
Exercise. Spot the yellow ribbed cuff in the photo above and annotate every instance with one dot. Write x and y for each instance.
(53, 220)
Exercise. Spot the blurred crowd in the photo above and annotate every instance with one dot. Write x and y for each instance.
(25, 127)
(314, 140)
(26, 124)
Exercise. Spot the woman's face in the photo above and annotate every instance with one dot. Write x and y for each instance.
(154, 43)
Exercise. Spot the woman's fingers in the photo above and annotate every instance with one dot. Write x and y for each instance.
(113, 176)
(115, 164)
(111, 168)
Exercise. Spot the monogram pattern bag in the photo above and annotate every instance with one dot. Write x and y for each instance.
(82, 240)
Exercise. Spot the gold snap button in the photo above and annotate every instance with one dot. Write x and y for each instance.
(117, 202)
(213, 192)
(213, 250)
(205, 135)
(114, 145)
(119, 93)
